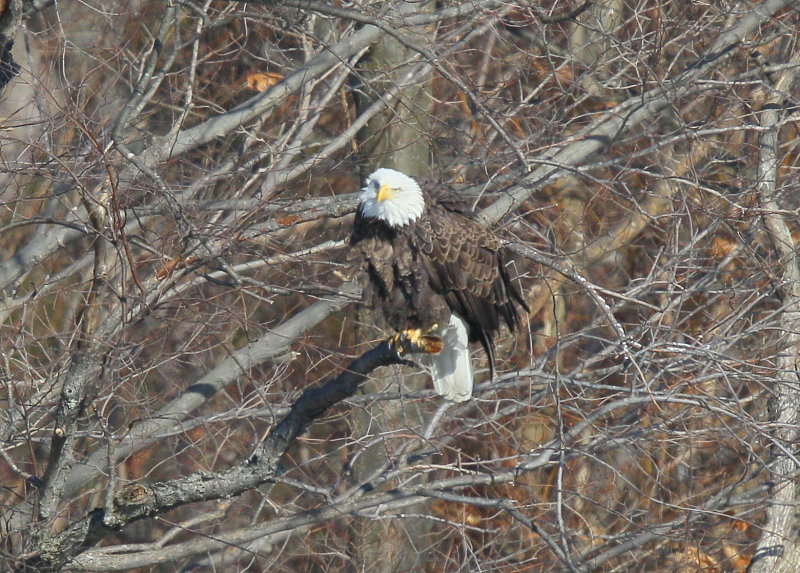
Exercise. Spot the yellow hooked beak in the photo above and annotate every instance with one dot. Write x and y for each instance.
(385, 192)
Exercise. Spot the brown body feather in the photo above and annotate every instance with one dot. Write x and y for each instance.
(445, 261)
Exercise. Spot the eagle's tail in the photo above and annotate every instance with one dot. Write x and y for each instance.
(452, 368)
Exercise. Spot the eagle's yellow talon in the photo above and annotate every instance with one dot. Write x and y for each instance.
(406, 340)
(415, 340)
(413, 335)
(396, 343)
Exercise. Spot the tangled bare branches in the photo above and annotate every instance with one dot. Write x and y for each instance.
(177, 182)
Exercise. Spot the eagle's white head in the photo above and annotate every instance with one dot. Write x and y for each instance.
(391, 196)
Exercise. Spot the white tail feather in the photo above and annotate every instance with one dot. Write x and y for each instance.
(452, 368)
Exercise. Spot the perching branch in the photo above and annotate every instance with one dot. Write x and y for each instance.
(139, 501)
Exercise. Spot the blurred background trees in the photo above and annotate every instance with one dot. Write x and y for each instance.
(177, 183)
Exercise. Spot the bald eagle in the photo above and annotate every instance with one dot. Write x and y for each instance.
(429, 266)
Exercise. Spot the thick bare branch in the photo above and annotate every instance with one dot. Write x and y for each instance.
(779, 546)
(138, 501)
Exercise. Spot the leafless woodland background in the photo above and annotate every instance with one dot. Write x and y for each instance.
(178, 181)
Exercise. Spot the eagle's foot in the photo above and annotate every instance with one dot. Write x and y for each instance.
(415, 341)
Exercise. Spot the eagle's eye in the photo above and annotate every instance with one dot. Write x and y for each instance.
(374, 185)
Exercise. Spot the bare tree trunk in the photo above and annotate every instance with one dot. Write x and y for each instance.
(395, 139)
(590, 41)
(778, 549)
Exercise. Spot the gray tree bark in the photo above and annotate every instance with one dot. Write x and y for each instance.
(591, 41)
(397, 139)
(779, 547)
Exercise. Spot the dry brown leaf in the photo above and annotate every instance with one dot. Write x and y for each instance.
(457, 512)
(721, 247)
(464, 104)
(740, 525)
(287, 220)
(735, 557)
(516, 127)
(172, 265)
(261, 81)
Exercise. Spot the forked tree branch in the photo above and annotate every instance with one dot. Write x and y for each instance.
(139, 501)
